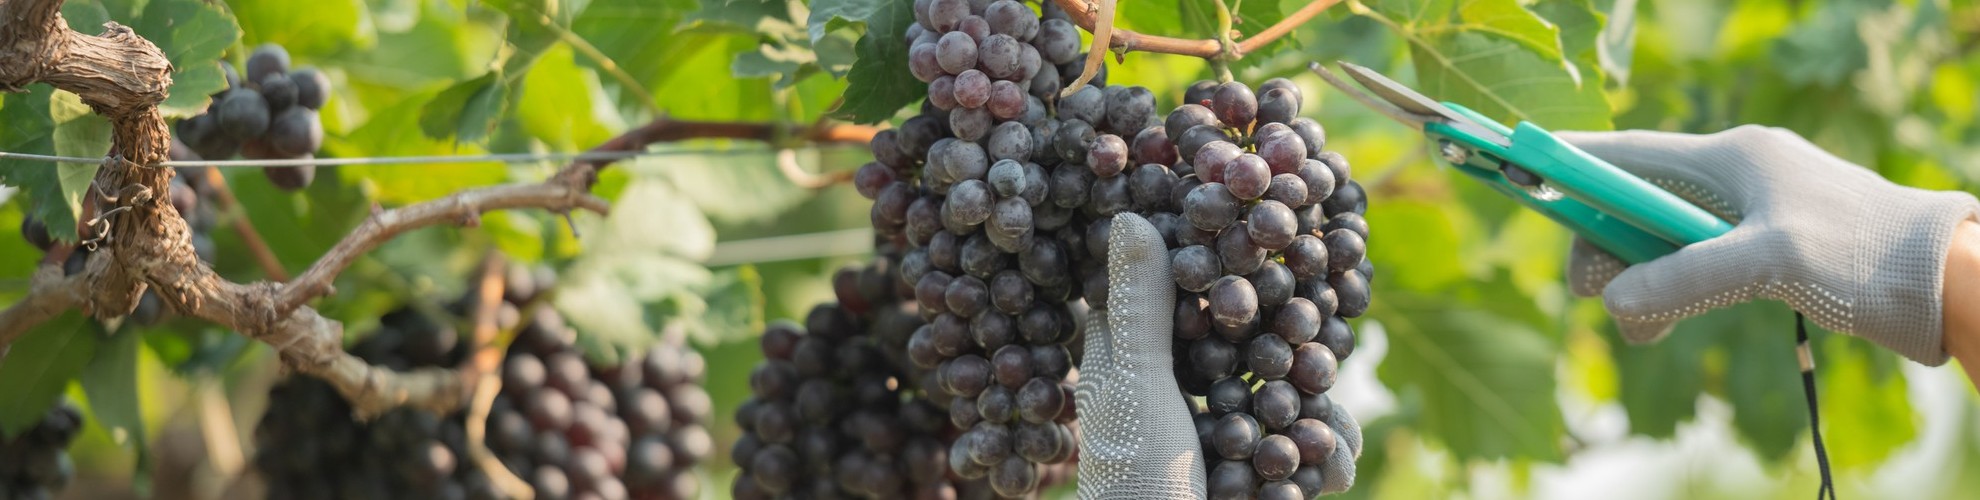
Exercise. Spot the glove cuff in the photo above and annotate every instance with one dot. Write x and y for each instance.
(1900, 273)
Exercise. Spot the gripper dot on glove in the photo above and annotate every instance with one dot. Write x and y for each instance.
(1137, 439)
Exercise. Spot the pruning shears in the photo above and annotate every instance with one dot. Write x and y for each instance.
(1616, 211)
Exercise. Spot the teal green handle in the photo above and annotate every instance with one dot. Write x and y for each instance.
(1612, 209)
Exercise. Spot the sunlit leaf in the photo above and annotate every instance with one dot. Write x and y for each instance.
(40, 365)
(111, 381)
(1487, 384)
(467, 111)
(192, 34)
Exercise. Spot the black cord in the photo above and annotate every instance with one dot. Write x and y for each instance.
(1828, 489)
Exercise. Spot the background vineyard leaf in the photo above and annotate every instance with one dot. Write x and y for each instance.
(40, 365)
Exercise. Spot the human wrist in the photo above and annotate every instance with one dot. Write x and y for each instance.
(1961, 309)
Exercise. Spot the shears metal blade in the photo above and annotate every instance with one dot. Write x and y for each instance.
(1402, 103)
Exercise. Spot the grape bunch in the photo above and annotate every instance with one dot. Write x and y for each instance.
(569, 429)
(271, 114)
(1269, 261)
(310, 447)
(996, 193)
(34, 463)
(832, 415)
(633, 430)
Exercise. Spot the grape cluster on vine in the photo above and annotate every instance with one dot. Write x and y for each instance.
(568, 428)
(34, 462)
(1002, 193)
(269, 114)
(1269, 261)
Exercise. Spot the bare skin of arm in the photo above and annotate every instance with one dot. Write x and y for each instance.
(1962, 299)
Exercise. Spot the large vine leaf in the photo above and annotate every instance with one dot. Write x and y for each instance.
(192, 34)
(396, 131)
(111, 383)
(30, 129)
(1498, 58)
(467, 111)
(879, 83)
(40, 365)
(1659, 384)
(1486, 383)
(556, 103)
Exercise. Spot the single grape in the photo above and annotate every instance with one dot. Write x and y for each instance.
(1237, 436)
(956, 52)
(1338, 165)
(1110, 196)
(1313, 368)
(1233, 301)
(1212, 358)
(1130, 110)
(1007, 102)
(1314, 439)
(1213, 160)
(1271, 225)
(1276, 404)
(1211, 207)
(1014, 477)
(1200, 92)
(1192, 317)
(924, 64)
(1150, 186)
(267, 59)
(1088, 104)
(1232, 480)
(1351, 289)
(1196, 268)
(1057, 41)
(312, 88)
(243, 114)
(1107, 155)
(942, 92)
(1228, 394)
(1344, 249)
(1307, 257)
(972, 89)
(1040, 400)
(1235, 105)
(1238, 253)
(1278, 106)
(1072, 139)
(1011, 17)
(1297, 322)
(279, 90)
(998, 55)
(1287, 189)
(1247, 175)
(1282, 149)
(1337, 336)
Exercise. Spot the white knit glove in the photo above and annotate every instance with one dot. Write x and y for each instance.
(1137, 439)
(1833, 240)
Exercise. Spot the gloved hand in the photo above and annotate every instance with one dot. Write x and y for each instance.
(1849, 249)
(1138, 440)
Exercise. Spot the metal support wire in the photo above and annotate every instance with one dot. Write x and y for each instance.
(390, 160)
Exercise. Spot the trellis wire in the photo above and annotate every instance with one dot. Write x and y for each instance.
(391, 160)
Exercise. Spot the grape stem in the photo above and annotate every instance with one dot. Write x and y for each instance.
(1097, 54)
(484, 367)
(1125, 40)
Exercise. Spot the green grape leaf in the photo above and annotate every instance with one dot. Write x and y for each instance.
(645, 255)
(1486, 383)
(640, 36)
(31, 129)
(1497, 58)
(193, 34)
(39, 367)
(1659, 384)
(879, 83)
(1763, 383)
(1826, 49)
(79, 132)
(111, 383)
(556, 103)
(396, 131)
(325, 27)
(771, 18)
(467, 111)
(732, 189)
(1848, 372)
